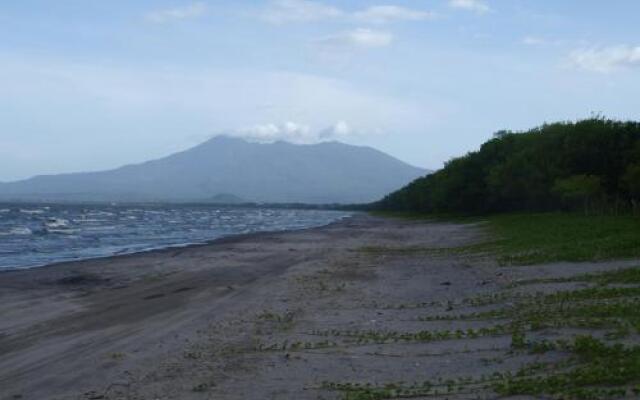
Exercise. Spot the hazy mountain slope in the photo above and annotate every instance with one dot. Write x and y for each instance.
(278, 172)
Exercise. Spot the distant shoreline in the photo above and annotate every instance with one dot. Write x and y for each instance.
(292, 206)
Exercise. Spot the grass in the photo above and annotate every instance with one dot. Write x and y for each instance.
(594, 369)
(397, 390)
(359, 337)
(284, 321)
(590, 368)
(621, 276)
(404, 250)
(598, 308)
(603, 371)
(525, 239)
(538, 238)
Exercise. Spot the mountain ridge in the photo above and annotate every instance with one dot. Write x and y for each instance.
(279, 172)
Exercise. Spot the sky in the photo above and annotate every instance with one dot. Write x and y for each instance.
(89, 85)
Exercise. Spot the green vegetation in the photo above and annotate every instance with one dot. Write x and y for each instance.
(539, 238)
(561, 192)
(202, 387)
(623, 276)
(523, 239)
(591, 165)
(381, 337)
(601, 372)
(602, 365)
(283, 321)
(595, 369)
(287, 345)
(397, 390)
(613, 308)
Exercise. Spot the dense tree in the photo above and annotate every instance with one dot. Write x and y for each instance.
(579, 189)
(592, 164)
(631, 182)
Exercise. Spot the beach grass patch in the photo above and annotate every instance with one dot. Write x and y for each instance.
(525, 239)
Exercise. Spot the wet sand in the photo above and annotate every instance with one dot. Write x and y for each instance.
(258, 316)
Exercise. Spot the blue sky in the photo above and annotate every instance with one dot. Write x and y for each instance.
(89, 85)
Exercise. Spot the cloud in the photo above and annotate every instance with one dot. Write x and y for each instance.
(606, 59)
(388, 13)
(296, 132)
(477, 6)
(357, 38)
(289, 131)
(282, 11)
(340, 130)
(192, 10)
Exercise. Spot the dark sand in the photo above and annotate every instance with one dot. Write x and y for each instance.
(209, 322)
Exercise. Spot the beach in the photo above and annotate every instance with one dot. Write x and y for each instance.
(286, 315)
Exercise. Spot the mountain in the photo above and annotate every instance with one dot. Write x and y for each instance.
(226, 167)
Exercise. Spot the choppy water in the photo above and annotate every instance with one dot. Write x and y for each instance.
(33, 236)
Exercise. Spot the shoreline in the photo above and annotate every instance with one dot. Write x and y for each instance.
(298, 314)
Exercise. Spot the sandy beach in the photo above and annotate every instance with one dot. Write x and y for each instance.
(262, 316)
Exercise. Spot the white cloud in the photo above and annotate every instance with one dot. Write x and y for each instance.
(341, 128)
(477, 6)
(388, 13)
(289, 131)
(192, 10)
(606, 59)
(296, 132)
(281, 11)
(339, 131)
(357, 38)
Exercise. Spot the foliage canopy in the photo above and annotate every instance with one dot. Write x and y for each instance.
(592, 164)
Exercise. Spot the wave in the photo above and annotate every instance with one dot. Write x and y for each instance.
(33, 212)
(36, 237)
(18, 231)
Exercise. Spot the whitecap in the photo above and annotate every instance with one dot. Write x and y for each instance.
(61, 231)
(100, 214)
(99, 228)
(20, 231)
(88, 220)
(37, 211)
(56, 223)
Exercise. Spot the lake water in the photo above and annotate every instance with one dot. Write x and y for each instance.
(33, 236)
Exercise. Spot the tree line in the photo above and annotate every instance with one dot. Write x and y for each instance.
(590, 165)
